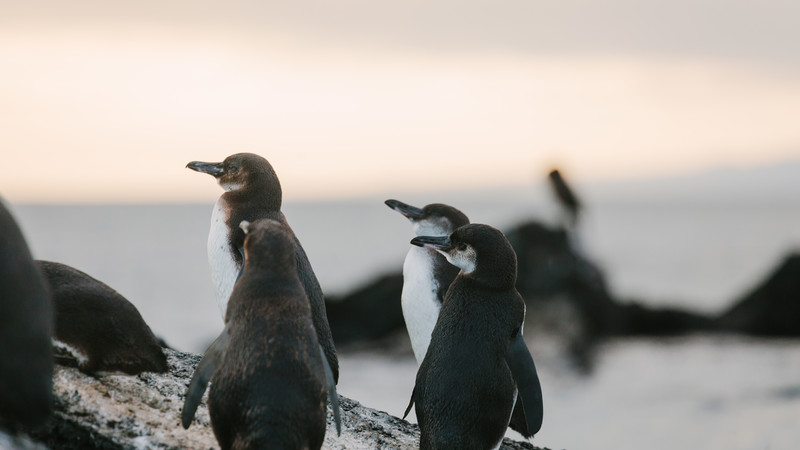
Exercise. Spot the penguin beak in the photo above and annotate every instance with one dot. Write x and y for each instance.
(441, 243)
(410, 212)
(216, 170)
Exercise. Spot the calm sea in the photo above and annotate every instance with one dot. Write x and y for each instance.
(688, 393)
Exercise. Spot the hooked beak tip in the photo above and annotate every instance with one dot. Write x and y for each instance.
(213, 169)
(408, 211)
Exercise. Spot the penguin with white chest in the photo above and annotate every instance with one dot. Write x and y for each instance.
(426, 273)
(270, 376)
(252, 192)
(426, 278)
(477, 365)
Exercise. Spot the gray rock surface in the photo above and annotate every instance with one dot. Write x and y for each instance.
(143, 412)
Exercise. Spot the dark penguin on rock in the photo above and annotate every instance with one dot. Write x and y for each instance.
(477, 365)
(26, 322)
(426, 273)
(270, 376)
(98, 329)
(252, 191)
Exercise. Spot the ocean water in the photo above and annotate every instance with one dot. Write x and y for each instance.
(703, 392)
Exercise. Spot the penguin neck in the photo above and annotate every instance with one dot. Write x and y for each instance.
(494, 270)
(495, 280)
(259, 275)
(259, 193)
(277, 261)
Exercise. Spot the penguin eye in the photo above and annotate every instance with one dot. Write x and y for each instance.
(461, 247)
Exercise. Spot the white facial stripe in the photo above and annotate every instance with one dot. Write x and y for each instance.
(465, 260)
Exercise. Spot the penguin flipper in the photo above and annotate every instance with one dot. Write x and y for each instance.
(241, 269)
(410, 402)
(202, 374)
(529, 389)
(334, 397)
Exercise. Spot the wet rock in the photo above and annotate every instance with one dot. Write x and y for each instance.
(143, 411)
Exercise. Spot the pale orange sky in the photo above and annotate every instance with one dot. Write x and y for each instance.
(107, 103)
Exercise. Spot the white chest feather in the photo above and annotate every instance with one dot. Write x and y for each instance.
(224, 269)
(420, 305)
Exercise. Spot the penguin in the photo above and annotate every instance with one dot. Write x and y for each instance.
(97, 328)
(477, 365)
(426, 273)
(427, 276)
(26, 328)
(270, 375)
(253, 191)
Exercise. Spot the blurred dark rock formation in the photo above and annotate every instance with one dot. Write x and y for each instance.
(552, 269)
(134, 412)
(370, 313)
(772, 308)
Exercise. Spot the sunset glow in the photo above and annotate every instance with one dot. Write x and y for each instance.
(111, 109)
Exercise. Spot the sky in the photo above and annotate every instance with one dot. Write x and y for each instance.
(107, 101)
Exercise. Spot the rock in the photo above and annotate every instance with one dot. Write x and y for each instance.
(370, 313)
(772, 309)
(550, 270)
(123, 411)
(634, 319)
(137, 412)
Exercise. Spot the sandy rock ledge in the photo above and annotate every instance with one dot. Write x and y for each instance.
(143, 412)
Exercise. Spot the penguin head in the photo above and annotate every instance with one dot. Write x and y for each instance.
(241, 170)
(436, 219)
(481, 252)
(269, 243)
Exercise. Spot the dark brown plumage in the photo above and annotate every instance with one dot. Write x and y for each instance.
(253, 192)
(102, 326)
(269, 372)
